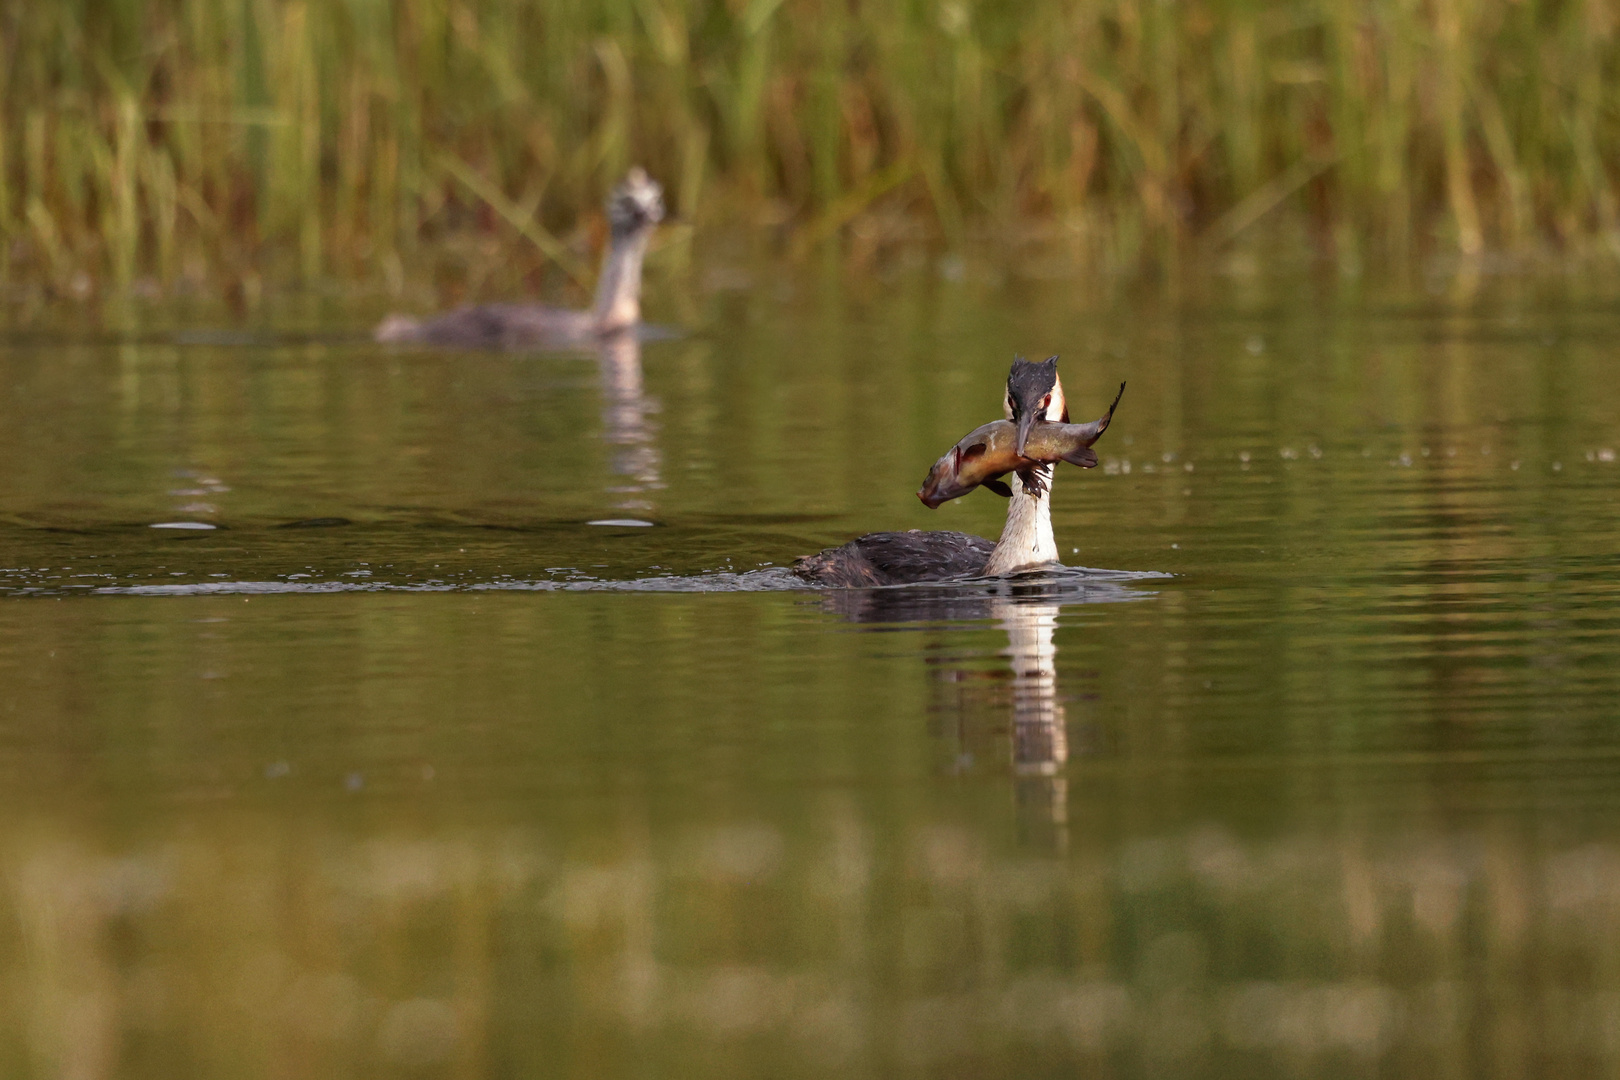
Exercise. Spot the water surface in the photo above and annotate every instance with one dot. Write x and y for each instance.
(404, 767)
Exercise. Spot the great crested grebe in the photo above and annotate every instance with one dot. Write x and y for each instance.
(1034, 392)
(635, 206)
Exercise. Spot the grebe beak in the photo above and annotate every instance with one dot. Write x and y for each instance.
(1026, 421)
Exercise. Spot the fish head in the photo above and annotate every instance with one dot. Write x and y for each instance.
(960, 471)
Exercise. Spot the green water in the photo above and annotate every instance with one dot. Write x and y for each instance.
(448, 782)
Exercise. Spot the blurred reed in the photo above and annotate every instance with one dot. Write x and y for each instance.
(209, 141)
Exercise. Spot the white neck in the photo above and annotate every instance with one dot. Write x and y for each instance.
(618, 292)
(1026, 540)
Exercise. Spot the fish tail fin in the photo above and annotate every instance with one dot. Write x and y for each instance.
(1117, 396)
(1102, 425)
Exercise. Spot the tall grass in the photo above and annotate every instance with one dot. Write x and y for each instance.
(175, 140)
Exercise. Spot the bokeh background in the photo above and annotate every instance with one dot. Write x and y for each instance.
(463, 148)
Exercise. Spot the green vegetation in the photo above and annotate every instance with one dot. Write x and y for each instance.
(224, 139)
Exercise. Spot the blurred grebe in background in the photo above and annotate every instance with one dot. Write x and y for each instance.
(634, 208)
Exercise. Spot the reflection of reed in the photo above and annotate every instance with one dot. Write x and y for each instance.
(244, 950)
(627, 421)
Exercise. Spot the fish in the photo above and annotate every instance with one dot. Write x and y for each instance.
(989, 452)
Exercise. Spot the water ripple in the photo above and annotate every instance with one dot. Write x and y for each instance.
(1053, 583)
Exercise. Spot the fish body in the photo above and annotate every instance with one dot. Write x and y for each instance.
(990, 451)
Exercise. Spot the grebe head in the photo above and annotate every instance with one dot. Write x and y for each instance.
(636, 203)
(1034, 392)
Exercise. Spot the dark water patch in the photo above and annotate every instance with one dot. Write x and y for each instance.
(316, 523)
(897, 603)
(405, 548)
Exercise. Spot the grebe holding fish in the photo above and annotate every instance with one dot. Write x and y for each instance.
(634, 208)
(1024, 447)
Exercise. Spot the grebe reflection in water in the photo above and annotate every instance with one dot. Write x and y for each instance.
(627, 421)
(970, 703)
(1034, 394)
(634, 208)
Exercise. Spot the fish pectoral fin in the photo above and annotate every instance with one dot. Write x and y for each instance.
(1083, 456)
(999, 487)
